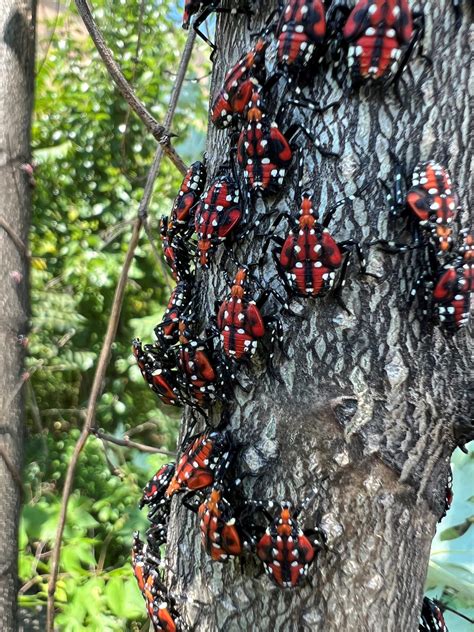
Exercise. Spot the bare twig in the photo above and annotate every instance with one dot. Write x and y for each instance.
(99, 376)
(15, 239)
(11, 467)
(126, 443)
(146, 425)
(132, 80)
(160, 132)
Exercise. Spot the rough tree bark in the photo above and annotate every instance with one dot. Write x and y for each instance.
(368, 399)
(17, 49)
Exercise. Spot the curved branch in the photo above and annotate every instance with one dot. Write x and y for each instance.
(160, 132)
(102, 364)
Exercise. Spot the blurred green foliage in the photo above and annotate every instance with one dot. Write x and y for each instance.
(451, 568)
(92, 158)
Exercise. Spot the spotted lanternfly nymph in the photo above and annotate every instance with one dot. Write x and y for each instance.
(220, 535)
(189, 193)
(239, 84)
(159, 604)
(217, 215)
(161, 379)
(377, 30)
(286, 550)
(167, 332)
(239, 321)
(263, 151)
(302, 27)
(434, 203)
(431, 617)
(154, 491)
(198, 367)
(454, 287)
(448, 494)
(197, 466)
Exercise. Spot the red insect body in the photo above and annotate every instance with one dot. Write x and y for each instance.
(196, 365)
(285, 551)
(154, 593)
(393, 14)
(140, 566)
(434, 203)
(168, 329)
(262, 151)
(448, 499)
(197, 465)
(240, 322)
(191, 7)
(310, 256)
(219, 535)
(238, 86)
(454, 288)
(431, 618)
(302, 26)
(377, 30)
(154, 491)
(160, 379)
(189, 192)
(175, 250)
(217, 214)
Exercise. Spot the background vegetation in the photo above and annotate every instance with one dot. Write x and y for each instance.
(92, 157)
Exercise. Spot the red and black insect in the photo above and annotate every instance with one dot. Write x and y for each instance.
(203, 9)
(167, 332)
(160, 606)
(197, 466)
(155, 370)
(454, 287)
(377, 31)
(264, 152)
(240, 322)
(140, 564)
(217, 214)
(220, 534)
(434, 203)
(199, 366)
(154, 491)
(430, 204)
(286, 550)
(301, 29)
(309, 259)
(239, 83)
(448, 495)
(176, 251)
(190, 191)
(431, 618)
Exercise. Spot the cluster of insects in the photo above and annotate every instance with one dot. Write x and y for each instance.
(196, 357)
(230, 525)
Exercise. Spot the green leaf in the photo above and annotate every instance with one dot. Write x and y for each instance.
(457, 531)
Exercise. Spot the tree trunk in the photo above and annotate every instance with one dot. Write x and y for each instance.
(16, 101)
(368, 398)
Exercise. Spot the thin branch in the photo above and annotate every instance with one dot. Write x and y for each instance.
(100, 372)
(126, 443)
(15, 239)
(146, 425)
(11, 467)
(160, 132)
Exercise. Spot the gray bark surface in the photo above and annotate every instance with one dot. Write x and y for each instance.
(16, 101)
(368, 400)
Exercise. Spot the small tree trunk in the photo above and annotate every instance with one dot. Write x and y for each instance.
(368, 398)
(16, 101)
